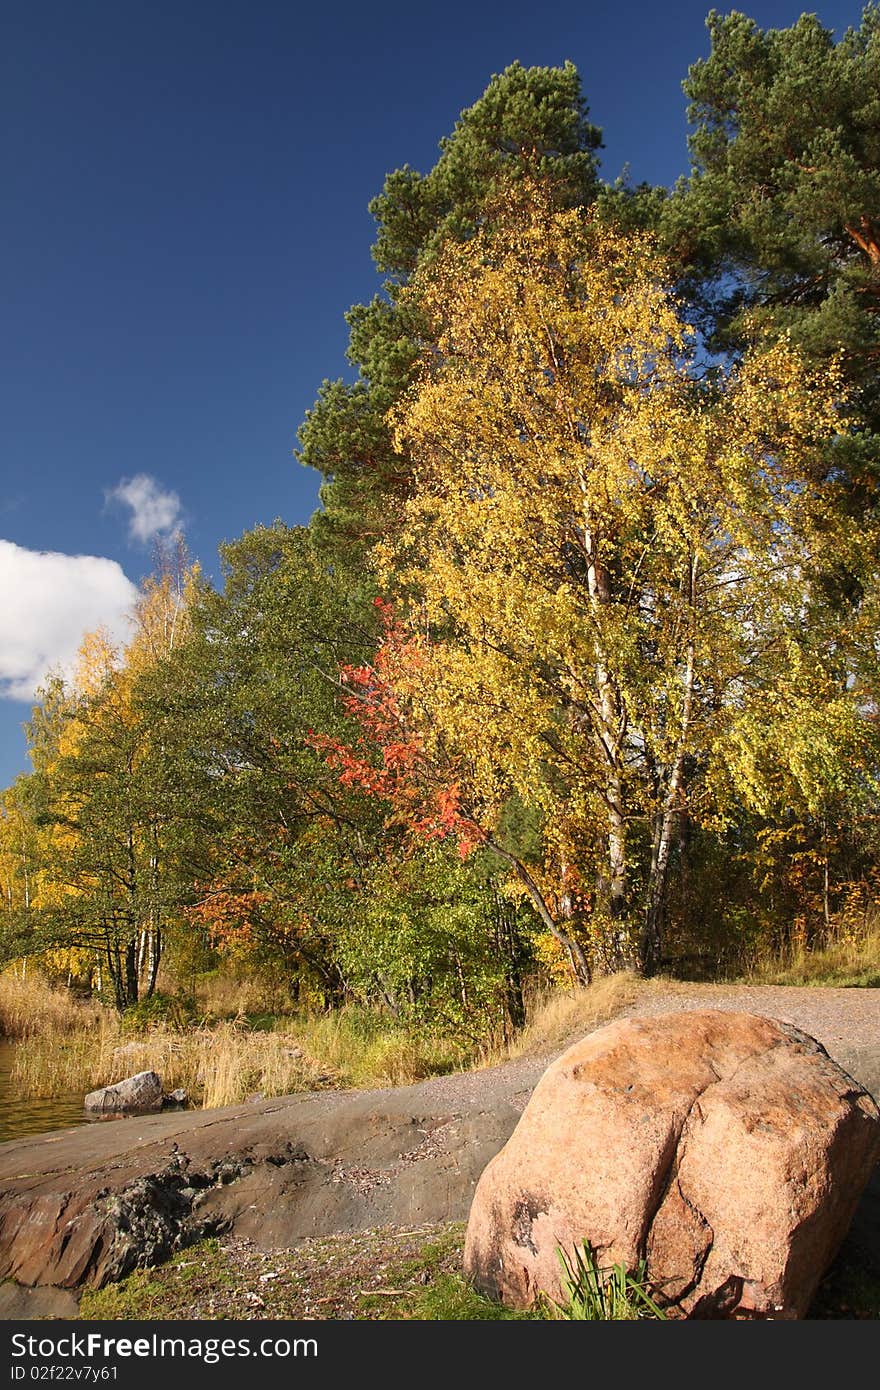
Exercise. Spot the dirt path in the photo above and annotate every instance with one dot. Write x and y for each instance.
(89, 1204)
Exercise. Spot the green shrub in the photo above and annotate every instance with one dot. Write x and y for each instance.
(158, 1011)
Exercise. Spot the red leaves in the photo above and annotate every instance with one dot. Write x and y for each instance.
(228, 916)
(389, 760)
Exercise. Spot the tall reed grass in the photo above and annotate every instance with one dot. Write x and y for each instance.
(367, 1047)
(218, 1063)
(849, 960)
(30, 1007)
(216, 1066)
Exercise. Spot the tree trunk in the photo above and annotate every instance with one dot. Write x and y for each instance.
(651, 940)
(131, 972)
(514, 1009)
(612, 885)
(155, 958)
(580, 967)
(117, 979)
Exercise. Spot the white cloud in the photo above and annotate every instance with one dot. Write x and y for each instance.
(48, 602)
(154, 512)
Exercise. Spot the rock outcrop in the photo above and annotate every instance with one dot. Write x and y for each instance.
(101, 1200)
(141, 1093)
(80, 1207)
(728, 1150)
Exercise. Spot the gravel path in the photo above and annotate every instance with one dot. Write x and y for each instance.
(845, 1021)
(844, 1018)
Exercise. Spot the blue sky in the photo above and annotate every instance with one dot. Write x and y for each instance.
(185, 223)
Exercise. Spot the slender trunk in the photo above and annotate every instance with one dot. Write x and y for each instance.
(131, 971)
(148, 955)
(579, 965)
(514, 1009)
(658, 882)
(155, 957)
(826, 882)
(462, 983)
(651, 941)
(116, 973)
(612, 884)
(613, 889)
(154, 935)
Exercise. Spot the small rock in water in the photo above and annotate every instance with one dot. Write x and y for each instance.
(141, 1092)
(178, 1099)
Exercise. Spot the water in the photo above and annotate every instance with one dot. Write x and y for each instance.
(19, 1117)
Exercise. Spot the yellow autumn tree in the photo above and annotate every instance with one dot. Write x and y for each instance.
(607, 566)
(20, 858)
(100, 785)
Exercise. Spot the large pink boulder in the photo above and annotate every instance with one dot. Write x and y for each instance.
(726, 1149)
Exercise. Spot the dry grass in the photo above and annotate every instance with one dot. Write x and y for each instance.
(852, 960)
(555, 1015)
(233, 1065)
(221, 995)
(217, 1066)
(68, 1047)
(367, 1048)
(48, 1065)
(31, 1007)
(227, 1062)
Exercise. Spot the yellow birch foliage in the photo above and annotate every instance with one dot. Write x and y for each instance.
(99, 760)
(603, 553)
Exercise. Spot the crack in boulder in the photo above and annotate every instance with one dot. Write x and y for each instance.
(152, 1218)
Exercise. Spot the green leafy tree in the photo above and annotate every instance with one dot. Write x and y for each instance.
(270, 837)
(441, 944)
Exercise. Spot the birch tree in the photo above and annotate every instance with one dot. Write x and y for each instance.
(108, 879)
(605, 564)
